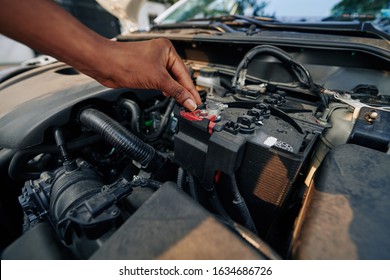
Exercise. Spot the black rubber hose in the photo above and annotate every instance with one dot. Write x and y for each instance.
(192, 187)
(217, 205)
(21, 157)
(181, 178)
(158, 106)
(240, 205)
(122, 139)
(164, 121)
(134, 110)
(292, 65)
(281, 55)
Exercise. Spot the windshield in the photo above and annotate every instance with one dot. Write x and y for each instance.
(193, 9)
(281, 10)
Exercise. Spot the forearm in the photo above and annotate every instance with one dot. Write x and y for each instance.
(46, 27)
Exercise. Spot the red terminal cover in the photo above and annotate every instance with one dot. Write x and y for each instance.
(194, 116)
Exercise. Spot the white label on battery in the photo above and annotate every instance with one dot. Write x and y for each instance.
(270, 141)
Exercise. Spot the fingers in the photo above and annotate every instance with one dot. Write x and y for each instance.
(181, 94)
(158, 66)
(180, 71)
(179, 84)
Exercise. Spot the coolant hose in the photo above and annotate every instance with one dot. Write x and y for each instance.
(122, 139)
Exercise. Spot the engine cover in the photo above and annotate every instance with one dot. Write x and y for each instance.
(347, 205)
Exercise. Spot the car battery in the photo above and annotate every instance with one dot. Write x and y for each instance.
(263, 146)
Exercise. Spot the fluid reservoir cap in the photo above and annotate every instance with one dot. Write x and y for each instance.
(208, 72)
(209, 79)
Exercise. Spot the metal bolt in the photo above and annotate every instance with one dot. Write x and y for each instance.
(46, 177)
(203, 113)
(371, 116)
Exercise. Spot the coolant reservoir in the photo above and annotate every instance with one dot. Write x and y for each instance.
(209, 79)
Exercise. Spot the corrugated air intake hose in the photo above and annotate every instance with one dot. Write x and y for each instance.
(122, 139)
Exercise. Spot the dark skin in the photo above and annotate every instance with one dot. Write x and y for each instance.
(153, 64)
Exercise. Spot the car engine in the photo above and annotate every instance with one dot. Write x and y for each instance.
(287, 157)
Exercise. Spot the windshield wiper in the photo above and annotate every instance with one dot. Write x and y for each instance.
(199, 23)
(225, 24)
(238, 23)
(362, 29)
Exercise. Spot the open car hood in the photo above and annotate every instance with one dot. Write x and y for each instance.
(287, 157)
(126, 10)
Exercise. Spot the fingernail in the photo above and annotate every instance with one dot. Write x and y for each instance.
(189, 104)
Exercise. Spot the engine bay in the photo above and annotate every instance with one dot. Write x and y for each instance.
(127, 174)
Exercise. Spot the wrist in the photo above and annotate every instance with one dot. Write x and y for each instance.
(93, 58)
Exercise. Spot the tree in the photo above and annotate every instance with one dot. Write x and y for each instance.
(256, 6)
(359, 7)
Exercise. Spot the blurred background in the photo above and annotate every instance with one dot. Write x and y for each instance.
(112, 17)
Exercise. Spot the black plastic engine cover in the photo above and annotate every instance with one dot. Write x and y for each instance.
(170, 225)
(346, 215)
(372, 129)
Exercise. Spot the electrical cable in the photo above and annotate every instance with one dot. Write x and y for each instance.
(298, 70)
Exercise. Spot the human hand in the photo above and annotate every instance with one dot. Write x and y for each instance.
(152, 64)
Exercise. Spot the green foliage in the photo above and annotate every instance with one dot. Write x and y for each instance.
(257, 6)
(359, 7)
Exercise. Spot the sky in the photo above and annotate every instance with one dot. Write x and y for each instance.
(306, 8)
